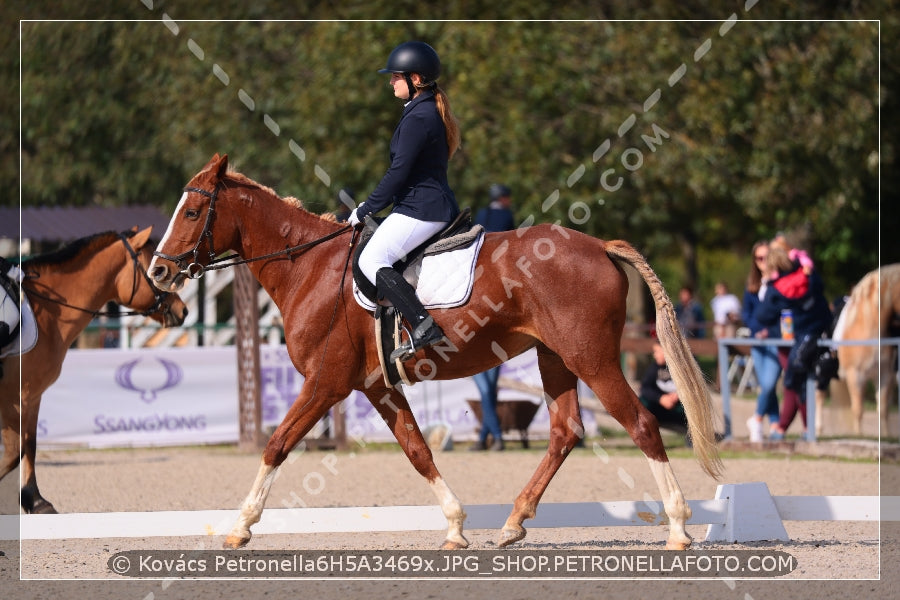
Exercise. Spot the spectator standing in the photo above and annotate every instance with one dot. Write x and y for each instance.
(726, 309)
(797, 288)
(497, 216)
(689, 313)
(766, 365)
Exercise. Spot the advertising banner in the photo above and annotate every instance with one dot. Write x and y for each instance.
(109, 398)
(186, 396)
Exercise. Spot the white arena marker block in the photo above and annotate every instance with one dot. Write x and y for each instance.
(751, 515)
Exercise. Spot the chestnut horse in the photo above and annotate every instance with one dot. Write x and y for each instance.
(66, 289)
(543, 286)
(871, 313)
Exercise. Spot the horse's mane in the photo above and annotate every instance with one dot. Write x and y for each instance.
(291, 201)
(863, 304)
(74, 249)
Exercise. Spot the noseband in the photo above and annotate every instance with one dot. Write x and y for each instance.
(195, 270)
(159, 296)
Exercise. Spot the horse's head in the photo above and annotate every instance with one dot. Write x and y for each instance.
(189, 243)
(135, 289)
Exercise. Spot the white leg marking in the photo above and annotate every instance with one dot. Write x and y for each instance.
(675, 506)
(253, 505)
(452, 509)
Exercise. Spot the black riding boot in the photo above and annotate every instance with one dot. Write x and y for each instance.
(425, 332)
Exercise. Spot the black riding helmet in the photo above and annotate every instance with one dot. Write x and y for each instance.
(414, 57)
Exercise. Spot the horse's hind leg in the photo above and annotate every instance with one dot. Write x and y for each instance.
(393, 407)
(856, 388)
(560, 390)
(623, 405)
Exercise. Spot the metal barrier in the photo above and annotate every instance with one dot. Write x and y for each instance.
(725, 343)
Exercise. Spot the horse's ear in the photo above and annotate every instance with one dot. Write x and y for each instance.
(211, 162)
(139, 239)
(222, 167)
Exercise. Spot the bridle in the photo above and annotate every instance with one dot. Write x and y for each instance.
(195, 270)
(159, 296)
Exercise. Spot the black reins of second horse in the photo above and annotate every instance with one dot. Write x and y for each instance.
(195, 270)
(159, 295)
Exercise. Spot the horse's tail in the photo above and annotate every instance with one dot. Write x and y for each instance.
(692, 389)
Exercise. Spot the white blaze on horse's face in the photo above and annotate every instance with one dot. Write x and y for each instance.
(171, 287)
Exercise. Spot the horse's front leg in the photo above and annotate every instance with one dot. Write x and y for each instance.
(297, 423)
(252, 508)
(32, 500)
(393, 407)
(9, 428)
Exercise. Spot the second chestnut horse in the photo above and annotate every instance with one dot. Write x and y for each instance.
(67, 289)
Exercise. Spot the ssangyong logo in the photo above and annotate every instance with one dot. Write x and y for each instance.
(148, 379)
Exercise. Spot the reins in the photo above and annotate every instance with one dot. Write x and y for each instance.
(219, 263)
(195, 270)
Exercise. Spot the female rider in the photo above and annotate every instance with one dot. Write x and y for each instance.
(416, 183)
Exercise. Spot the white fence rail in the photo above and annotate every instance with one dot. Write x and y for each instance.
(725, 343)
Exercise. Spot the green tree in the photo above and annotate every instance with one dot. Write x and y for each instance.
(773, 125)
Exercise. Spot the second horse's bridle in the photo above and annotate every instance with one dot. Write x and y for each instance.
(158, 295)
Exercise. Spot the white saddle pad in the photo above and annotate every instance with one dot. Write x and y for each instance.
(28, 334)
(441, 280)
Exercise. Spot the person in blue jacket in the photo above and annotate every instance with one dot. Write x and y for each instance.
(765, 358)
(415, 183)
(496, 216)
(802, 292)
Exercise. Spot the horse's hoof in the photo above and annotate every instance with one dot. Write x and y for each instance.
(511, 536)
(233, 542)
(42, 507)
(459, 544)
(678, 545)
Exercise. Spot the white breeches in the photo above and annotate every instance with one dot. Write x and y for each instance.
(394, 238)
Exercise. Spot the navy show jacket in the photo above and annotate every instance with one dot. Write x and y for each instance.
(416, 181)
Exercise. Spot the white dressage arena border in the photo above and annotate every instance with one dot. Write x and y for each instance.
(739, 513)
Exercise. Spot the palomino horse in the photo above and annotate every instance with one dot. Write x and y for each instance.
(66, 289)
(873, 306)
(544, 286)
